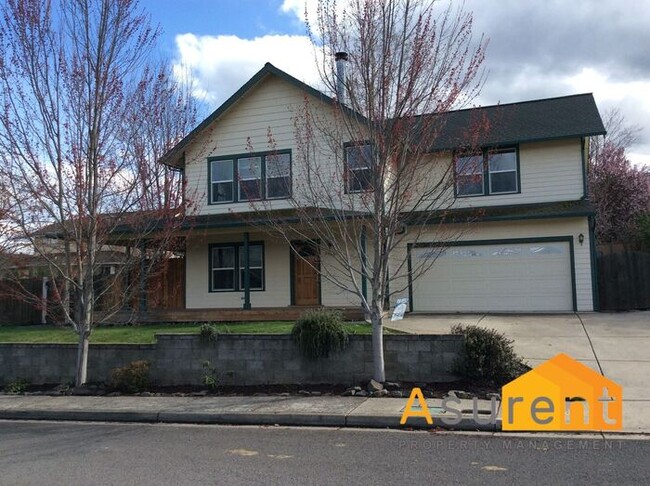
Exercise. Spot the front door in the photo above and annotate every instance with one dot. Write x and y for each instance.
(306, 282)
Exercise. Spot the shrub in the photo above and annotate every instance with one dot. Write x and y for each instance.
(489, 356)
(16, 387)
(320, 332)
(208, 333)
(210, 375)
(133, 378)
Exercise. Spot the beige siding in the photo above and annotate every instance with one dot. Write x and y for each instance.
(549, 171)
(332, 294)
(276, 275)
(572, 227)
(244, 128)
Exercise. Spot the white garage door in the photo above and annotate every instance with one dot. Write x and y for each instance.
(491, 278)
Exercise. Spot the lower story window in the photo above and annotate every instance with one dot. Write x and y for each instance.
(228, 267)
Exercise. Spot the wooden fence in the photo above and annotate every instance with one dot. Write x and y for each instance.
(21, 304)
(623, 278)
(165, 289)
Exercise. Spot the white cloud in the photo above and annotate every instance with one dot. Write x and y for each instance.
(536, 50)
(220, 65)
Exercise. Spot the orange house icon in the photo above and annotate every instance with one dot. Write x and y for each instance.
(562, 394)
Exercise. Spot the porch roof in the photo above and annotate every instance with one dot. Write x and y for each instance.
(561, 209)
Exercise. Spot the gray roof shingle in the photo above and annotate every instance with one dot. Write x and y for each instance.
(528, 121)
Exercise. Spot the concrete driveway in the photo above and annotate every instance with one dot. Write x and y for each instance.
(616, 345)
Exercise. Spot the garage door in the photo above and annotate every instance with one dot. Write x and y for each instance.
(505, 277)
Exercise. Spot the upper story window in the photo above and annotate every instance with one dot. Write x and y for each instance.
(488, 172)
(250, 177)
(358, 167)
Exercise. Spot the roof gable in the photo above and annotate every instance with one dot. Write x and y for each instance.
(507, 124)
(174, 157)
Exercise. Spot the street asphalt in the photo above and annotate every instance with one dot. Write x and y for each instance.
(124, 454)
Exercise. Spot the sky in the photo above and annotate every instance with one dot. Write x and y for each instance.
(537, 49)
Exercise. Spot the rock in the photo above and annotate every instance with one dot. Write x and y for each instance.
(463, 395)
(391, 386)
(349, 392)
(374, 386)
(178, 394)
(362, 393)
(114, 394)
(428, 393)
(380, 393)
(316, 394)
(356, 388)
(145, 394)
(201, 393)
(395, 393)
(304, 393)
(496, 396)
(284, 394)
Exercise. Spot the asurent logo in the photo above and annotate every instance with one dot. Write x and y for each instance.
(561, 394)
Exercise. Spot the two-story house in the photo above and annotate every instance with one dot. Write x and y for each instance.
(531, 250)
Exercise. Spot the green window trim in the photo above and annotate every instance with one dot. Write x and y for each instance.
(236, 268)
(364, 179)
(482, 165)
(227, 177)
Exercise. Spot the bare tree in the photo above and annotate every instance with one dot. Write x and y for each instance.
(77, 146)
(620, 133)
(365, 182)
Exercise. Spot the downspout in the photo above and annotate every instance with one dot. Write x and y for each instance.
(594, 264)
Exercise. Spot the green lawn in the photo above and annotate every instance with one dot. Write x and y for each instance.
(145, 333)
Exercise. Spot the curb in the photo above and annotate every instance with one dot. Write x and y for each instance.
(295, 419)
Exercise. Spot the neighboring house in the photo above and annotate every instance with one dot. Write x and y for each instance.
(532, 249)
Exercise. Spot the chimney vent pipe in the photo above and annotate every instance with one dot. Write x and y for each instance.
(341, 59)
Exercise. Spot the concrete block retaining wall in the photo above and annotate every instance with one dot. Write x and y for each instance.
(177, 359)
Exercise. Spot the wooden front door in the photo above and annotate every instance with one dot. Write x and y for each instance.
(306, 282)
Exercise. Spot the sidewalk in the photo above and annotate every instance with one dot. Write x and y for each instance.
(266, 410)
(263, 410)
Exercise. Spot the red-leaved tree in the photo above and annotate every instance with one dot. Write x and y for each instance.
(619, 190)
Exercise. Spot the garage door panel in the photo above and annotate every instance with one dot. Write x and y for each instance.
(499, 277)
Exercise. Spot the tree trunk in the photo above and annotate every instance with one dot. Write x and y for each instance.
(82, 358)
(377, 319)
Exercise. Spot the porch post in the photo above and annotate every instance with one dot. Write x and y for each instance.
(247, 273)
(143, 278)
(44, 298)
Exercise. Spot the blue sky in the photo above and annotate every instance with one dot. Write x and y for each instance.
(537, 49)
(244, 18)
